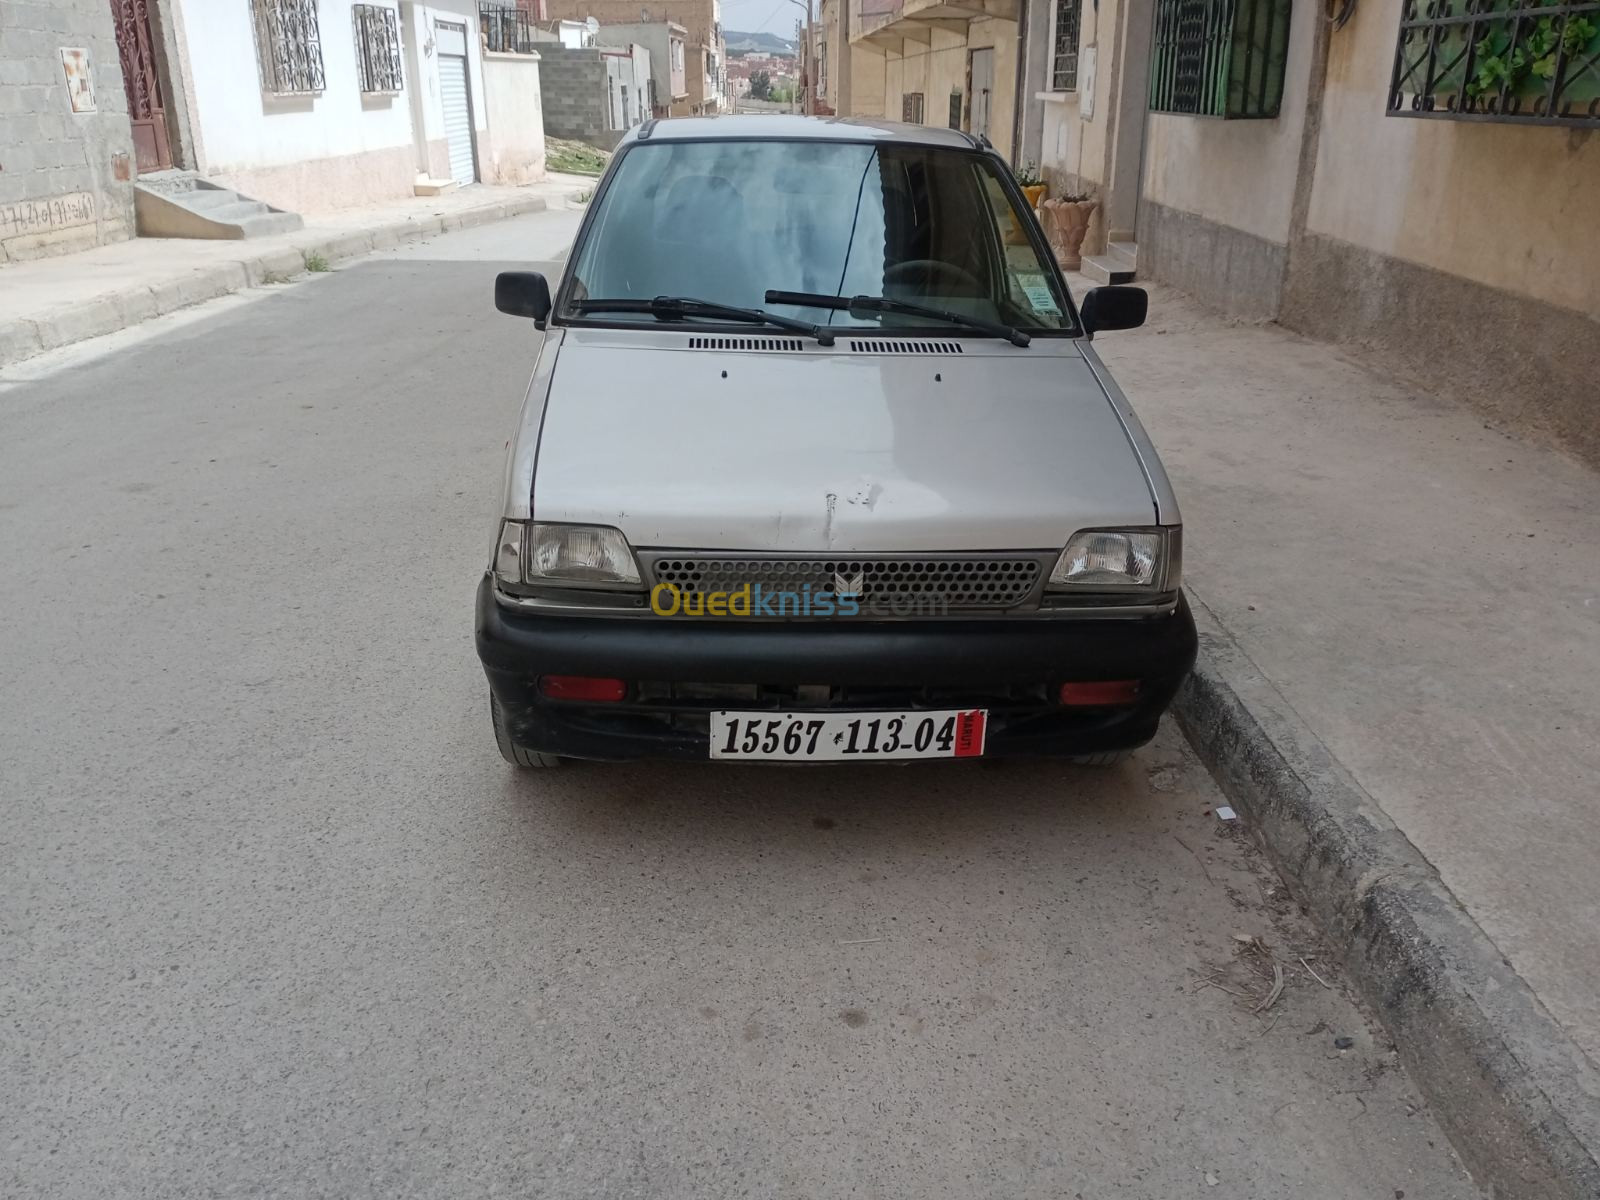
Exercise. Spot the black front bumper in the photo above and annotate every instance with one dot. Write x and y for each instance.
(680, 670)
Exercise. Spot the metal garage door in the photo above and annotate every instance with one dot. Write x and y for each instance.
(457, 106)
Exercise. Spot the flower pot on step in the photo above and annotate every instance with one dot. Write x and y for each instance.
(1065, 224)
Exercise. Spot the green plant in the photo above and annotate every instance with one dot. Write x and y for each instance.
(1027, 175)
(316, 264)
(1499, 67)
(1079, 197)
(574, 158)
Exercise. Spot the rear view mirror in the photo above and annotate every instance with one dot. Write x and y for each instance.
(1114, 307)
(525, 294)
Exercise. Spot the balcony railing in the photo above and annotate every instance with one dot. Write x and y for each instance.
(507, 29)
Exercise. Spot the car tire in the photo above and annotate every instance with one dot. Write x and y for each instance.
(1106, 758)
(514, 754)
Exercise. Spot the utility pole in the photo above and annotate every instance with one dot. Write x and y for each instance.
(804, 84)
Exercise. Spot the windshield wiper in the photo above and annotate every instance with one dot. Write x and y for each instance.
(882, 304)
(674, 308)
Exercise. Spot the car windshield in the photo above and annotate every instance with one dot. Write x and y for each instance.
(730, 221)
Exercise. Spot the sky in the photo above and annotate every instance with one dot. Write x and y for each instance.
(762, 16)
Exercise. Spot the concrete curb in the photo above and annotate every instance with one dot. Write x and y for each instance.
(107, 313)
(1518, 1098)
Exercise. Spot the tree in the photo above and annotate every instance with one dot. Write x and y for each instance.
(760, 85)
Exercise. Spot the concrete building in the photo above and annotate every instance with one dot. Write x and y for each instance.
(117, 114)
(705, 74)
(666, 41)
(933, 62)
(1314, 177)
(340, 111)
(66, 141)
(595, 94)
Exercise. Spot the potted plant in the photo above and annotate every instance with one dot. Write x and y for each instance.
(1066, 221)
(1032, 185)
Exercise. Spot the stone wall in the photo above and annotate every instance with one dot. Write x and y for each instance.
(573, 88)
(65, 176)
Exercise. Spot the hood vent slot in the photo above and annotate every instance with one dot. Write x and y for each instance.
(744, 343)
(893, 346)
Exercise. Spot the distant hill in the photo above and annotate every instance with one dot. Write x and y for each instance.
(770, 43)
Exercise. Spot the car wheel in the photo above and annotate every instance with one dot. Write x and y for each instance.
(514, 754)
(1106, 758)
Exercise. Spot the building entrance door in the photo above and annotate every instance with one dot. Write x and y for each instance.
(141, 80)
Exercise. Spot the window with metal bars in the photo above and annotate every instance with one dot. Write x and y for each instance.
(1498, 60)
(955, 110)
(288, 46)
(377, 31)
(506, 28)
(911, 108)
(1064, 64)
(1219, 58)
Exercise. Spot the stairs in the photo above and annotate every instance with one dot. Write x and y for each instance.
(1119, 264)
(181, 204)
(428, 186)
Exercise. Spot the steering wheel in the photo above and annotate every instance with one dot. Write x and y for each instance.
(916, 272)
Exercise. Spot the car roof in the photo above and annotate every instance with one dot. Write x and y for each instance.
(791, 127)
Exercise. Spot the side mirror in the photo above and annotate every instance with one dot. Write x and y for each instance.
(1114, 307)
(525, 294)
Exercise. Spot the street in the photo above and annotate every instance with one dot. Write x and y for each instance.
(277, 919)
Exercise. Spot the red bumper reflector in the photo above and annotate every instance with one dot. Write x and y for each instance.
(1100, 693)
(581, 687)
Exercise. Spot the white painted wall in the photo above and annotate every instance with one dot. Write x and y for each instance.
(242, 128)
(336, 147)
(424, 21)
(512, 151)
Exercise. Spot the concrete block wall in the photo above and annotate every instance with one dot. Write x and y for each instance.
(65, 177)
(573, 86)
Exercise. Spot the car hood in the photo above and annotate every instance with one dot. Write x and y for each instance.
(813, 450)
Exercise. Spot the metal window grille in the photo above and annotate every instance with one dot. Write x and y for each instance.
(506, 29)
(377, 31)
(288, 46)
(955, 110)
(911, 108)
(1064, 65)
(1219, 58)
(1498, 60)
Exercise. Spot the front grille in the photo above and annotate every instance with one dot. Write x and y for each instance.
(920, 584)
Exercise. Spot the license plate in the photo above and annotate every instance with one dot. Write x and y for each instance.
(827, 737)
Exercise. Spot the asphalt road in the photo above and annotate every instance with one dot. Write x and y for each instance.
(276, 920)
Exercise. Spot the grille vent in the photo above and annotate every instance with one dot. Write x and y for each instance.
(996, 582)
(743, 343)
(887, 346)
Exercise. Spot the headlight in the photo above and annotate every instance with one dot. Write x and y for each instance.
(579, 555)
(1119, 559)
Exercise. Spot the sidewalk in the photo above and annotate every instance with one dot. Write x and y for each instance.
(50, 302)
(1390, 579)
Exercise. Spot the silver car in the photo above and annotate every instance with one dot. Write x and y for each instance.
(818, 463)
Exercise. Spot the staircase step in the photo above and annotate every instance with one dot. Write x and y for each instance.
(204, 199)
(170, 182)
(1102, 268)
(1125, 252)
(238, 211)
(182, 205)
(270, 223)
